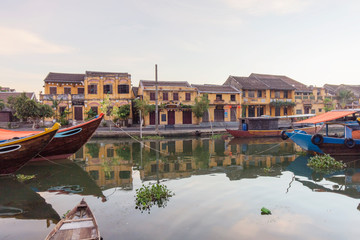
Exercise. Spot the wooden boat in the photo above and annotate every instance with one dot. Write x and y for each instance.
(78, 224)
(66, 142)
(16, 152)
(266, 126)
(347, 143)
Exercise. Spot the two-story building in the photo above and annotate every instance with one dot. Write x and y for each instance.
(175, 99)
(224, 102)
(78, 93)
(264, 96)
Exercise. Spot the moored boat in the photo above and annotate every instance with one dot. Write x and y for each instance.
(346, 142)
(66, 142)
(79, 223)
(17, 151)
(267, 126)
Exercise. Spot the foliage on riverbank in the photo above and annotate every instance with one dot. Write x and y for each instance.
(156, 194)
(23, 178)
(325, 163)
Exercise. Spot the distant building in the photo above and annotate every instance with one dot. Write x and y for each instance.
(6, 114)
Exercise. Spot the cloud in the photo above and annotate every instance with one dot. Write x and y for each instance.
(264, 7)
(19, 41)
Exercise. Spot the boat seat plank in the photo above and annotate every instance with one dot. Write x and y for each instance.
(78, 220)
(75, 225)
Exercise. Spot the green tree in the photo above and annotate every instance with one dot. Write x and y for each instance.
(2, 104)
(90, 114)
(201, 106)
(345, 96)
(143, 106)
(328, 106)
(45, 111)
(121, 113)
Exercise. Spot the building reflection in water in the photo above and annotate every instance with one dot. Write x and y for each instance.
(111, 164)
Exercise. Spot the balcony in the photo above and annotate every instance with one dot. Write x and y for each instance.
(50, 97)
(77, 99)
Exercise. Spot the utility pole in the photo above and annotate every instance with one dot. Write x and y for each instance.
(156, 103)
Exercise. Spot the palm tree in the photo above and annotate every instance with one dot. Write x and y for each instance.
(345, 96)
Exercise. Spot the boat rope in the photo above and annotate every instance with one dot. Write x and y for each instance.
(292, 180)
(142, 144)
(53, 161)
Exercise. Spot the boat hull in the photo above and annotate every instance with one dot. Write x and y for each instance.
(262, 133)
(330, 145)
(15, 154)
(69, 140)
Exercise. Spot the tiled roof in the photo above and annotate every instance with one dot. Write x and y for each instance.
(64, 77)
(149, 83)
(135, 91)
(5, 95)
(249, 83)
(299, 87)
(355, 89)
(215, 88)
(274, 81)
(100, 74)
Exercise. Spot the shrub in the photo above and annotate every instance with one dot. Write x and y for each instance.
(325, 163)
(156, 194)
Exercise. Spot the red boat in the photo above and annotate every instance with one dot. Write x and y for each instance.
(258, 127)
(17, 151)
(66, 142)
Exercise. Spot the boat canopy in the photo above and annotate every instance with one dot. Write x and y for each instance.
(9, 134)
(327, 116)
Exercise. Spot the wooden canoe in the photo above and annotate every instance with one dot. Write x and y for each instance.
(66, 142)
(78, 224)
(16, 152)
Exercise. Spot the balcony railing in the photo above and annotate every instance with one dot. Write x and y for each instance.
(78, 97)
(50, 97)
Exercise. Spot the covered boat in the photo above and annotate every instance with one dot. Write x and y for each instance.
(17, 151)
(65, 143)
(266, 126)
(345, 141)
(79, 223)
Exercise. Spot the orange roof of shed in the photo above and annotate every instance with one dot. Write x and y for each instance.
(327, 116)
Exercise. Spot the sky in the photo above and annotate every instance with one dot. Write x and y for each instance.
(199, 41)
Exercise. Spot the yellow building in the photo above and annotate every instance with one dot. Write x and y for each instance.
(224, 102)
(78, 93)
(174, 98)
(264, 95)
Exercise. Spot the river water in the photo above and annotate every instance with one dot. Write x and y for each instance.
(220, 186)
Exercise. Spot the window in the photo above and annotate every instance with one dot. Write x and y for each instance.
(62, 110)
(251, 93)
(277, 111)
(285, 94)
(298, 111)
(187, 96)
(110, 152)
(176, 96)
(95, 110)
(108, 89)
(67, 90)
(92, 89)
(152, 96)
(165, 96)
(81, 90)
(313, 111)
(123, 88)
(277, 94)
(163, 117)
(243, 93)
(259, 93)
(232, 98)
(52, 90)
(218, 97)
(124, 174)
(320, 109)
(285, 111)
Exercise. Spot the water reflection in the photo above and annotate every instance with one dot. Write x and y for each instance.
(17, 200)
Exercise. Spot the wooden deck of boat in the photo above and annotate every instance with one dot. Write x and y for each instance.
(77, 229)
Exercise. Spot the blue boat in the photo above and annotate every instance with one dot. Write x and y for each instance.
(347, 143)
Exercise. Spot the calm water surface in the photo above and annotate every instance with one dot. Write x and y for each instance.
(220, 186)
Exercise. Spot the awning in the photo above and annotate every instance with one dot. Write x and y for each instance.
(327, 117)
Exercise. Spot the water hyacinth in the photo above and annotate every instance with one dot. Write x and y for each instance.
(156, 194)
(325, 163)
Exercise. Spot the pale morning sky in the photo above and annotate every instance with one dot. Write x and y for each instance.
(199, 41)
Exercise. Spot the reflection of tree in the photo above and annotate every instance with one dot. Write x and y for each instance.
(201, 157)
(124, 152)
(93, 149)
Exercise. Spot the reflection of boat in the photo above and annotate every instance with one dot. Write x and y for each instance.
(16, 152)
(64, 177)
(19, 201)
(79, 223)
(253, 127)
(346, 182)
(66, 142)
(330, 144)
